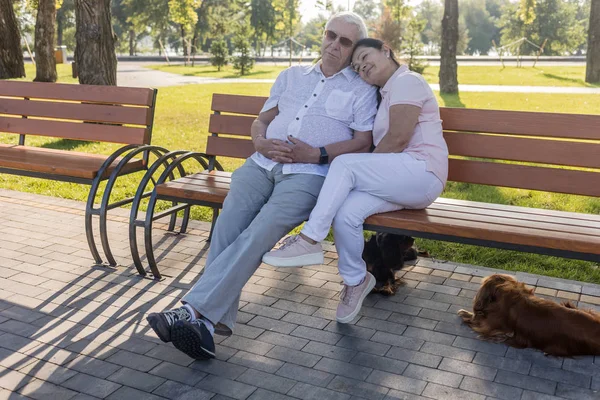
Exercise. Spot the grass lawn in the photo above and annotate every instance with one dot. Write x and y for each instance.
(181, 123)
(471, 75)
(63, 71)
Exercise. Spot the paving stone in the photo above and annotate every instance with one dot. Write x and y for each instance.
(17, 342)
(267, 381)
(526, 382)
(561, 375)
(178, 373)
(480, 345)
(344, 369)
(262, 394)
(447, 351)
(250, 345)
(12, 380)
(397, 382)
(398, 307)
(326, 350)
(272, 324)
(411, 320)
(441, 392)
(576, 393)
(39, 389)
(139, 380)
(306, 375)
(316, 334)
(357, 388)
(529, 395)
(429, 336)
(433, 375)
(305, 320)
(535, 357)
(48, 372)
(366, 346)
(431, 304)
(293, 356)
(92, 366)
(255, 361)
(91, 385)
(380, 363)
(283, 340)
(127, 393)
(559, 285)
(350, 330)
(295, 307)
(168, 353)
(469, 369)
(508, 364)
(133, 361)
(219, 368)
(309, 392)
(227, 387)
(396, 340)
(178, 391)
(490, 388)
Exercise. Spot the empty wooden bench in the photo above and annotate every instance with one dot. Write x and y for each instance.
(536, 151)
(78, 112)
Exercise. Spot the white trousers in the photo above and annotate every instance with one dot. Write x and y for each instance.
(358, 186)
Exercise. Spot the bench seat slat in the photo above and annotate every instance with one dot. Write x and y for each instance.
(549, 219)
(522, 123)
(58, 162)
(424, 221)
(77, 111)
(574, 154)
(525, 177)
(191, 192)
(88, 93)
(77, 131)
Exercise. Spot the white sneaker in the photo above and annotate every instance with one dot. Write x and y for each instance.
(295, 252)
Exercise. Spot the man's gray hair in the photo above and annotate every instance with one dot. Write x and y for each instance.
(352, 18)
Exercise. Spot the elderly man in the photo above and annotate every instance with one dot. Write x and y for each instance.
(312, 115)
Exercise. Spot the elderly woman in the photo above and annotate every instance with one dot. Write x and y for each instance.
(407, 169)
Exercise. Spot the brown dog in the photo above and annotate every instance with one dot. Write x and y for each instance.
(505, 310)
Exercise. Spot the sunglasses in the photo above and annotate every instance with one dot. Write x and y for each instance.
(344, 41)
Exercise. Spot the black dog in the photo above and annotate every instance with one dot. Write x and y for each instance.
(385, 253)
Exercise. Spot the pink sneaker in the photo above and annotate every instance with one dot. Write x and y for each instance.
(295, 252)
(351, 299)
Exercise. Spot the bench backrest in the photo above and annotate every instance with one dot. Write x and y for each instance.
(80, 112)
(528, 150)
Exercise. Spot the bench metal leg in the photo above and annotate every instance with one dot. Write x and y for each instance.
(148, 237)
(214, 222)
(185, 221)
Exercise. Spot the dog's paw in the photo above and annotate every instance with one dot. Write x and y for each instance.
(466, 316)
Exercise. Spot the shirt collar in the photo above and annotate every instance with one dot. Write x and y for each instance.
(386, 88)
(348, 72)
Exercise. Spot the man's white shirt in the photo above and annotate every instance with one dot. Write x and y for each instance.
(317, 110)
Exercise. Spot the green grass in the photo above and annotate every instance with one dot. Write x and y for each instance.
(260, 71)
(63, 71)
(181, 122)
(471, 75)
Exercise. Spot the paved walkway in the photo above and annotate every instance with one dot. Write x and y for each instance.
(72, 330)
(136, 75)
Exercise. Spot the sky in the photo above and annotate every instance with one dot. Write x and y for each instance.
(309, 10)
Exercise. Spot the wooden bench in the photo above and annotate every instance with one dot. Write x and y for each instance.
(537, 151)
(78, 112)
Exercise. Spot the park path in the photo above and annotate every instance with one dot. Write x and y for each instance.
(137, 75)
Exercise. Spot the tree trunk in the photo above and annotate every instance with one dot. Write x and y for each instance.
(131, 42)
(60, 26)
(11, 54)
(95, 53)
(183, 42)
(45, 62)
(592, 70)
(448, 67)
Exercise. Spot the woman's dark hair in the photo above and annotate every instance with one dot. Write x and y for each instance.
(376, 44)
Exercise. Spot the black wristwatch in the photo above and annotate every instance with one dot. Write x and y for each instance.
(324, 158)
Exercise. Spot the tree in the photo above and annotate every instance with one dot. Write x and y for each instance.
(368, 9)
(262, 19)
(480, 24)
(219, 52)
(448, 68)
(11, 56)
(45, 62)
(288, 19)
(64, 19)
(243, 62)
(412, 45)
(95, 50)
(592, 69)
(389, 30)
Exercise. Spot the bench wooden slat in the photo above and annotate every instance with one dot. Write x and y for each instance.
(423, 221)
(210, 177)
(535, 212)
(202, 184)
(522, 123)
(59, 162)
(250, 105)
(558, 152)
(509, 212)
(230, 124)
(77, 131)
(229, 147)
(76, 111)
(87, 93)
(525, 177)
(185, 191)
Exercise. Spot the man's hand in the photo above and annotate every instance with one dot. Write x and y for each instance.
(268, 146)
(299, 152)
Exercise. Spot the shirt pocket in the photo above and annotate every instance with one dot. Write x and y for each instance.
(339, 105)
